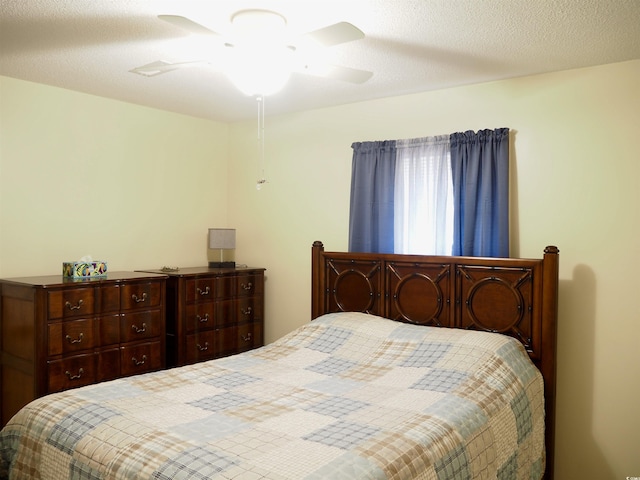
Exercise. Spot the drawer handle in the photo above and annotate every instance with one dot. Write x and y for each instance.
(74, 307)
(247, 337)
(203, 348)
(246, 286)
(204, 319)
(247, 311)
(74, 340)
(204, 292)
(138, 299)
(139, 330)
(74, 377)
(137, 362)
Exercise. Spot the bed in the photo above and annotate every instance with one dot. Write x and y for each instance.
(413, 367)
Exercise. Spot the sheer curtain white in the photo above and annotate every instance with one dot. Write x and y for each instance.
(423, 196)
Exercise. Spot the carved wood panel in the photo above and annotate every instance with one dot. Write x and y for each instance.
(497, 300)
(418, 293)
(354, 286)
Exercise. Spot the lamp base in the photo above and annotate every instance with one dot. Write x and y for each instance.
(222, 264)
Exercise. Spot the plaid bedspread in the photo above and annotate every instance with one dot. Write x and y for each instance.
(348, 396)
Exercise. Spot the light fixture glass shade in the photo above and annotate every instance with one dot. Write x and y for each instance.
(222, 244)
(259, 70)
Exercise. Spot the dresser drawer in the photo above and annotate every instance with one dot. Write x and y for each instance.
(204, 289)
(200, 316)
(71, 302)
(205, 316)
(140, 325)
(140, 358)
(140, 295)
(250, 336)
(249, 309)
(247, 285)
(72, 336)
(70, 372)
(211, 344)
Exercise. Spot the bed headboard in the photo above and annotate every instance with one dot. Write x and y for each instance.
(513, 296)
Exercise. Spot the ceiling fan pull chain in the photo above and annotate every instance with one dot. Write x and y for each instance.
(261, 180)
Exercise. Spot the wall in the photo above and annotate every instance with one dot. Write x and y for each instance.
(575, 171)
(155, 181)
(81, 175)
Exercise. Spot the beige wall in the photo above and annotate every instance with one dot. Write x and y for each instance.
(575, 178)
(82, 175)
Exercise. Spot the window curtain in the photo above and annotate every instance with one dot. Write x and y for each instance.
(423, 207)
(480, 167)
(371, 205)
(398, 194)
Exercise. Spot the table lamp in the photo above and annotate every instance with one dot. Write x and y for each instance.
(222, 248)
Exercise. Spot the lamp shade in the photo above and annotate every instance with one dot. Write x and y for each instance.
(222, 238)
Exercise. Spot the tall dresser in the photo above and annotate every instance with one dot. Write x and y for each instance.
(213, 312)
(58, 333)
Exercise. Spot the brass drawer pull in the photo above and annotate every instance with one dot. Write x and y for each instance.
(204, 319)
(74, 377)
(139, 362)
(139, 330)
(74, 340)
(246, 286)
(247, 337)
(203, 348)
(74, 307)
(138, 299)
(247, 311)
(204, 292)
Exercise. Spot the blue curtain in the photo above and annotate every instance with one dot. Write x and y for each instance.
(480, 168)
(371, 205)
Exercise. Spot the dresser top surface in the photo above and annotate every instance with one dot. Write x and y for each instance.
(56, 280)
(193, 271)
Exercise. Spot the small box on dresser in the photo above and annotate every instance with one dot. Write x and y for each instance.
(213, 312)
(58, 333)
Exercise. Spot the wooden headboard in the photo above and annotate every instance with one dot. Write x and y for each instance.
(512, 296)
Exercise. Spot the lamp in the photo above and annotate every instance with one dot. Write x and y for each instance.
(260, 62)
(260, 70)
(222, 245)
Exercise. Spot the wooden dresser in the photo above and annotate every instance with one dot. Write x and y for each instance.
(58, 333)
(213, 312)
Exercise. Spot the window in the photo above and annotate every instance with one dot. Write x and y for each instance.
(435, 195)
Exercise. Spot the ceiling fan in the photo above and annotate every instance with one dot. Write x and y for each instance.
(258, 54)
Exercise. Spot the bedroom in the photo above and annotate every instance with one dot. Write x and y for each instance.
(139, 187)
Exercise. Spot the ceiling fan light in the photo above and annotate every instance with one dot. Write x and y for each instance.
(263, 84)
(259, 71)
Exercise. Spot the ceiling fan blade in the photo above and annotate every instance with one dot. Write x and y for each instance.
(334, 34)
(186, 24)
(336, 72)
(159, 67)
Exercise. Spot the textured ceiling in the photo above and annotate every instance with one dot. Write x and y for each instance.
(410, 46)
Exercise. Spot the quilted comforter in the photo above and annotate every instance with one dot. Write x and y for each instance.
(348, 396)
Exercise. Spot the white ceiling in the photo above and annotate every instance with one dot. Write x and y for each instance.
(410, 45)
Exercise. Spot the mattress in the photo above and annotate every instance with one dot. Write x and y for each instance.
(347, 396)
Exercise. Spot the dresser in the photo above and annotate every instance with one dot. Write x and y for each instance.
(213, 312)
(58, 333)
